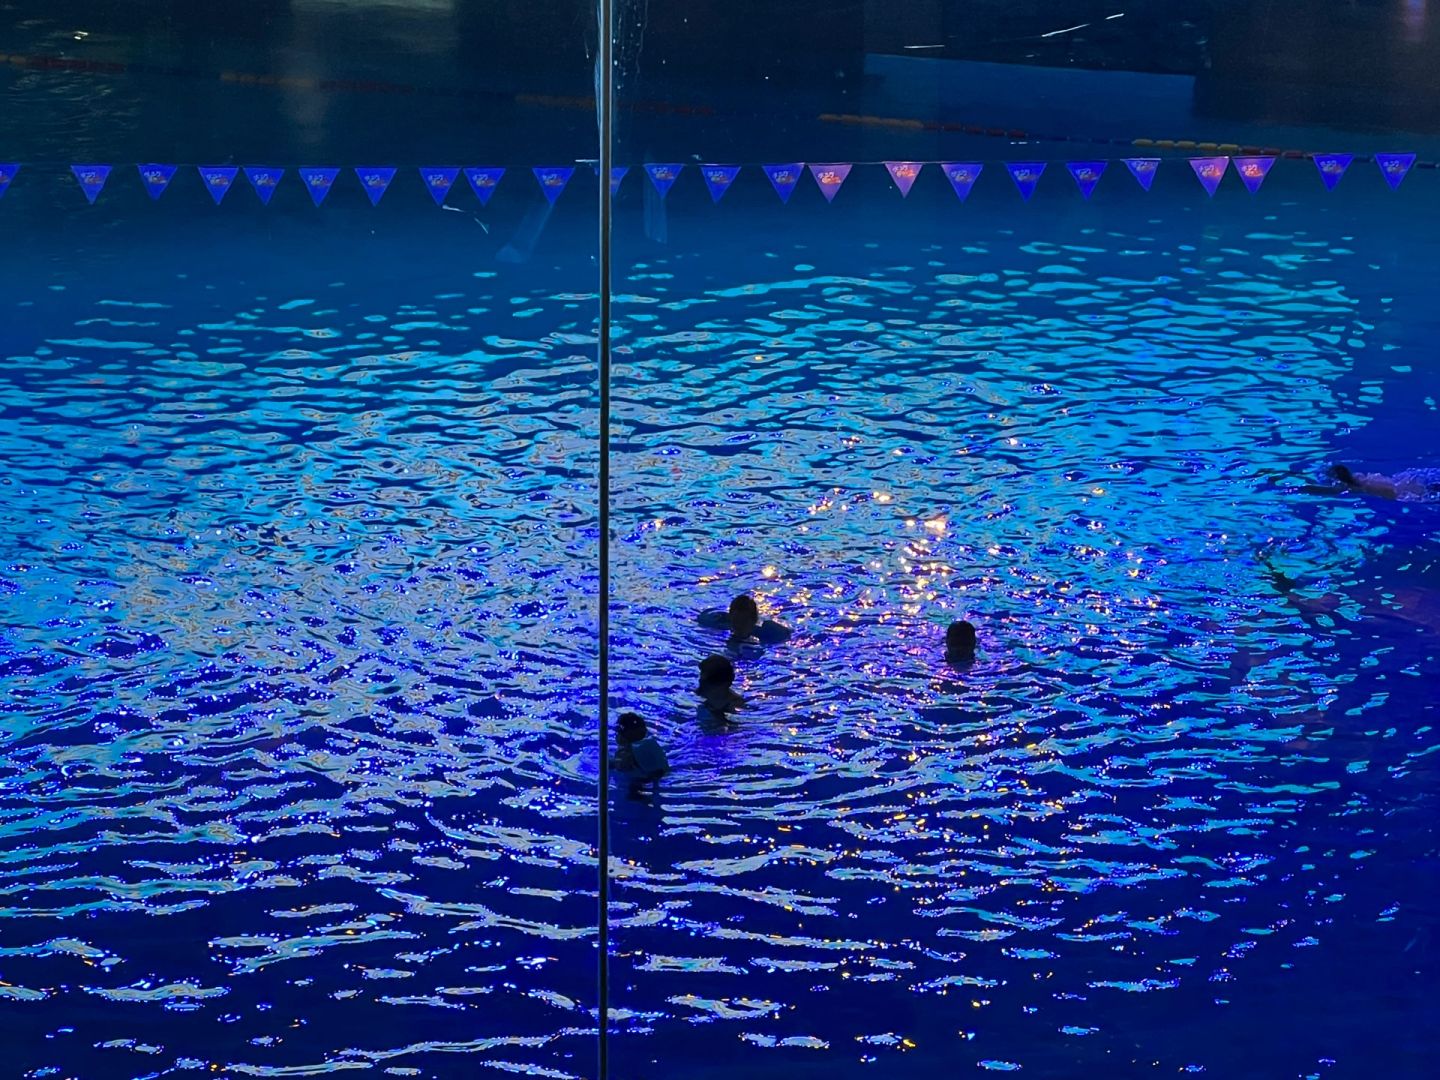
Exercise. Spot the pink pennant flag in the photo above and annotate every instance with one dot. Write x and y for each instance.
(830, 177)
(1210, 171)
(1253, 171)
(904, 173)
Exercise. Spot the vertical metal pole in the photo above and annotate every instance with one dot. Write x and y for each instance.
(605, 100)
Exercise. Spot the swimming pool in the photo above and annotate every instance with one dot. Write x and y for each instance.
(299, 536)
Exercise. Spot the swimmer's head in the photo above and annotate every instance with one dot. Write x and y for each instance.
(744, 616)
(960, 638)
(1343, 474)
(630, 727)
(716, 673)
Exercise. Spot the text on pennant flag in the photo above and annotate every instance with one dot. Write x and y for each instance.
(91, 179)
(1394, 167)
(1210, 171)
(663, 177)
(830, 177)
(264, 180)
(783, 178)
(483, 181)
(1143, 169)
(217, 180)
(962, 176)
(438, 180)
(1332, 167)
(1087, 174)
(1253, 171)
(552, 180)
(156, 178)
(318, 181)
(904, 173)
(375, 179)
(1026, 175)
(718, 179)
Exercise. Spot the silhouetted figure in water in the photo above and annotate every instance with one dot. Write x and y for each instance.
(960, 641)
(718, 698)
(639, 754)
(1412, 485)
(744, 622)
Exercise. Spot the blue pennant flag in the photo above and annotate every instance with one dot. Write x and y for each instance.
(91, 178)
(1026, 175)
(156, 178)
(483, 182)
(1087, 174)
(1143, 169)
(218, 179)
(1253, 171)
(617, 174)
(318, 182)
(784, 178)
(830, 177)
(663, 177)
(375, 179)
(962, 176)
(264, 179)
(904, 173)
(1210, 171)
(7, 176)
(718, 179)
(1332, 167)
(1392, 166)
(438, 181)
(552, 180)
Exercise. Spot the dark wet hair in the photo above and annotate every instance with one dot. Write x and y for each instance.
(630, 722)
(960, 636)
(1343, 474)
(716, 670)
(744, 603)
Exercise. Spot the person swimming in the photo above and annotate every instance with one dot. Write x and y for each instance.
(744, 622)
(1407, 485)
(639, 754)
(718, 698)
(960, 640)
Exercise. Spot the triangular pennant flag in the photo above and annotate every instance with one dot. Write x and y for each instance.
(663, 176)
(1026, 175)
(7, 176)
(1253, 171)
(156, 178)
(830, 177)
(552, 180)
(438, 181)
(264, 180)
(617, 176)
(1210, 171)
(1332, 167)
(375, 179)
(218, 179)
(783, 178)
(1087, 174)
(1143, 169)
(904, 174)
(718, 179)
(318, 182)
(962, 176)
(483, 182)
(1392, 166)
(91, 178)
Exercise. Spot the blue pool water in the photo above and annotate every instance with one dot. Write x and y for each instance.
(298, 536)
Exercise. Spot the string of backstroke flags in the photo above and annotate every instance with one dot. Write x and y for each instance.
(483, 180)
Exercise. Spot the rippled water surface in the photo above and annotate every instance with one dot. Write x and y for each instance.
(299, 540)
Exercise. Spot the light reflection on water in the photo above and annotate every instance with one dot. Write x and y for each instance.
(298, 770)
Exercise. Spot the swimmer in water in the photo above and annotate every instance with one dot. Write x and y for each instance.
(744, 623)
(639, 754)
(1408, 484)
(718, 698)
(960, 638)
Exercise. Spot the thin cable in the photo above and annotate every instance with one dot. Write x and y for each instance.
(606, 97)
